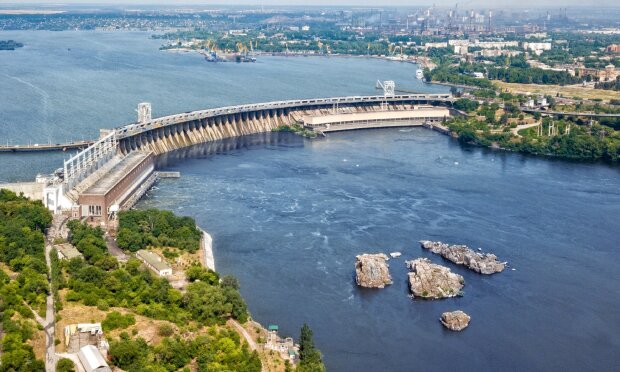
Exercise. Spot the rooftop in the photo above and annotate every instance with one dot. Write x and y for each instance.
(68, 250)
(116, 174)
(92, 359)
(153, 259)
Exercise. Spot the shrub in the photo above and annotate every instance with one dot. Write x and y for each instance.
(115, 320)
(165, 330)
(103, 305)
(65, 365)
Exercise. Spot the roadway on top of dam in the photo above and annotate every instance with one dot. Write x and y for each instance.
(137, 128)
(132, 129)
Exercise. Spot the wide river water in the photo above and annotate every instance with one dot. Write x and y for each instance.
(289, 215)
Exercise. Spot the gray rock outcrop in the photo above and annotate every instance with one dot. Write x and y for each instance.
(371, 270)
(455, 320)
(483, 263)
(431, 281)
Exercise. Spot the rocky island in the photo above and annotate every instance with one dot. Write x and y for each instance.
(455, 320)
(483, 263)
(371, 270)
(430, 281)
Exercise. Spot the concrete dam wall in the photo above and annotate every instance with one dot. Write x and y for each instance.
(167, 138)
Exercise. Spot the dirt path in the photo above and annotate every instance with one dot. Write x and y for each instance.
(516, 130)
(244, 333)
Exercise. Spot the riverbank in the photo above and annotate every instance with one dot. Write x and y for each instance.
(207, 250)
(252, 332)
(412, 60)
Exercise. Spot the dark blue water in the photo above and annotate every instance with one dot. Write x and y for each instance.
(289, 215)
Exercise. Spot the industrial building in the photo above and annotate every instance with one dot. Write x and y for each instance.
(419, 115)
(100, 197)
(154, 262)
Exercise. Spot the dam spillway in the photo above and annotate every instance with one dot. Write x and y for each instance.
(173, 132)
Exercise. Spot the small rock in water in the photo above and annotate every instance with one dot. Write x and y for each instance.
(431, 281)
(483, 263)
(371, 270)
(455, 320)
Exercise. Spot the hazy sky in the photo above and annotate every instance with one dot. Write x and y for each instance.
(375, 3)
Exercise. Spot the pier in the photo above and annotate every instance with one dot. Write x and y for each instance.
(46, 147)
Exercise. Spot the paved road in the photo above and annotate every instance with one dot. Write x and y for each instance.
(50, 352)
(56, 230)
(115, 250)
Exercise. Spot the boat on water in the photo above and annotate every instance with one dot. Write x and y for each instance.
(419, 74)
(395, 254)
(212, 56)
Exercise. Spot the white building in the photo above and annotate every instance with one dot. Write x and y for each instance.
(154, 262)
(92, 360)
(537, 48)
(495, 44)
(67, 251)
(427, 46)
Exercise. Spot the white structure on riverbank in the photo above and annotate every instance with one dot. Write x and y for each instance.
(207, 246)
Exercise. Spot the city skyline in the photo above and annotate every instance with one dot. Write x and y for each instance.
(374, 3)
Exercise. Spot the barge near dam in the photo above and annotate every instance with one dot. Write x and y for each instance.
(114, 172)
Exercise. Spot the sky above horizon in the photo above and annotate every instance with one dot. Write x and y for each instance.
(374, 3)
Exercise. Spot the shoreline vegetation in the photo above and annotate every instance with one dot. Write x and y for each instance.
(489, 125)
(150, 325)
(297, 129)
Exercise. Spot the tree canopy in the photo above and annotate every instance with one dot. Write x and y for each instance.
(139, 229)
(22, 249)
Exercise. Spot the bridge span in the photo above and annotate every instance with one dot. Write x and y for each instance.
(113, 172)
(572, 113)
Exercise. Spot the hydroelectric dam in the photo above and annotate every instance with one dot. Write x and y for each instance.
(115, 171)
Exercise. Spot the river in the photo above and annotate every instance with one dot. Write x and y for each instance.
(288, 215)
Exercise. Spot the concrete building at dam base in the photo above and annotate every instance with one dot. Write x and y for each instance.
(114, 172)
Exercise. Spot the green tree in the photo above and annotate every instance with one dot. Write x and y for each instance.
(130, 355)
(310, 357)
(207, 303)
(65, 365)
(115, 320)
